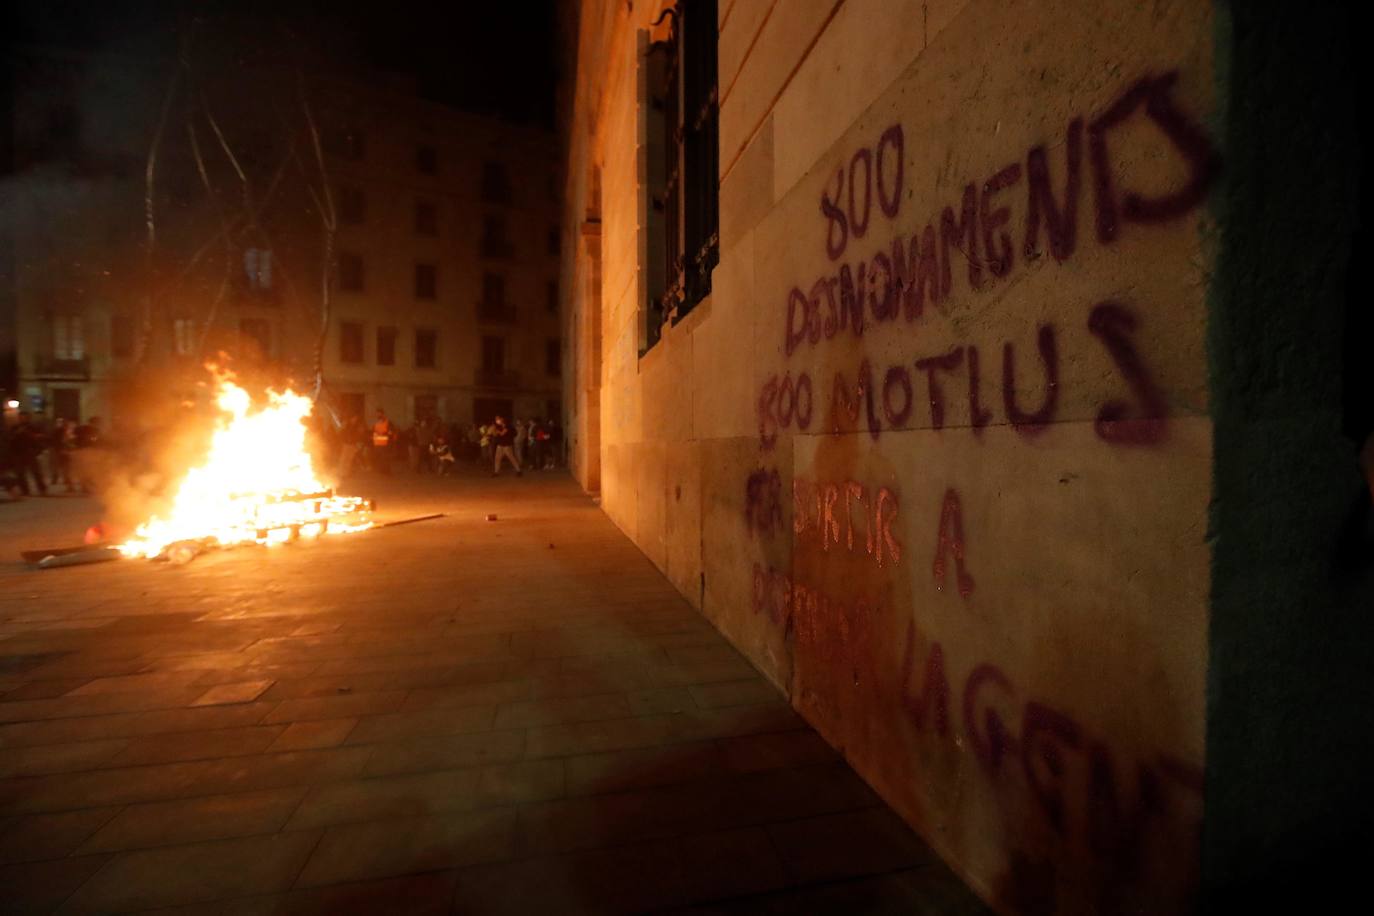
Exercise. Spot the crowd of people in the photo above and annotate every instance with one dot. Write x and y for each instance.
(429, 446)
(36, 454)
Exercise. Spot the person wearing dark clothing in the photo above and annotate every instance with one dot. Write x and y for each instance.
(353, 440)
(441, 455)
(536, 445)
(554, 456)
(88, 433)
(9, 481)
(60, 444)
(26, 444)
(503, 437)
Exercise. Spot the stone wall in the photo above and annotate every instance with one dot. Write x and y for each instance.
(936, 454)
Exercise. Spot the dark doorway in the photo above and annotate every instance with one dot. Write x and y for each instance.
(66, 403)
(484, 410)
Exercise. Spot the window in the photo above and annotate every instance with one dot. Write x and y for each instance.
(493, 355)
(66, 404)
(685, 184)
(426, 281)
(494, 241)
(553, 356)
(493, 306)
(350, 342)
(68, 337)
(386, 346)
(256, 337)
(426, 218)
(183, 336)
(426, 160)
(257, 269)
(121, 335)
(495, 184)
(554, 240)
(426, 348)
(346, 143)
(351, 275)
(352, 205)
(552, 304)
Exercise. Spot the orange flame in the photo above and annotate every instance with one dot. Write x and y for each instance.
(256, 485)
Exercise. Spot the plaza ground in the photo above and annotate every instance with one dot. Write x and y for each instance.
(453, 716)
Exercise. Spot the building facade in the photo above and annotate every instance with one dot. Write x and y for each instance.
(443, 273)
(952, 420)
(448, 250)
(71, 222)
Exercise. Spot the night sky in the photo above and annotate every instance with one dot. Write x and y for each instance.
(492, 57)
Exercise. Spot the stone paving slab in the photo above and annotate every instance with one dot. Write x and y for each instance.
(459, 716)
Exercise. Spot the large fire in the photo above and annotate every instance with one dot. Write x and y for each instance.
(256, 484)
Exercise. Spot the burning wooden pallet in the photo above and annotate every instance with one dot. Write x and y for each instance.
(186, 550)
(256, 484)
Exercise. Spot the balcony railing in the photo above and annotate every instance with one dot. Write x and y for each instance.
(487, 378)
(56, 368)
(495, 313)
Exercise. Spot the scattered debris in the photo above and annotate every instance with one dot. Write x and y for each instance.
(409, 521)
(178, 553)
(70, 556)
(34, 556)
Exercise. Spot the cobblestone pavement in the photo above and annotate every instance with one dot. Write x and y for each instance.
(455, 716)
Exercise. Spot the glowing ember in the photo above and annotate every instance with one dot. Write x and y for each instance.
(256, 485)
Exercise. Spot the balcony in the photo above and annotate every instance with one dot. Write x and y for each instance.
(51, 367)
(495, 313)
(490, 378)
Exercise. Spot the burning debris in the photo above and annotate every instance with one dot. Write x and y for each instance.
(256, 485)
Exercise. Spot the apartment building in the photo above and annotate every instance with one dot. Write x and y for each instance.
(447, 262)
(443, 267)
(70, 232)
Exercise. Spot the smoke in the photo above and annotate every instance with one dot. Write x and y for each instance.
(165, 428)
(171, 417)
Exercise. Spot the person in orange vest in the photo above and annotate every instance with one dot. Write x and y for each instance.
(383, 437)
